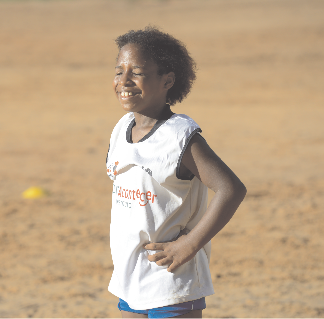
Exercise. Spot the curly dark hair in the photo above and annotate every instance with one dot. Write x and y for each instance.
(169, 54)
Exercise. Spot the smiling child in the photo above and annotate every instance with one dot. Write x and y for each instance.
(161, 166)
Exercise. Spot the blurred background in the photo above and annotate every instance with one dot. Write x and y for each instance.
(259, 100)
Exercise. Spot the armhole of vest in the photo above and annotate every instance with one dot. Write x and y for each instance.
(197, 130)
(107, 154)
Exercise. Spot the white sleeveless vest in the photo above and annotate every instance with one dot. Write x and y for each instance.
(151, 204)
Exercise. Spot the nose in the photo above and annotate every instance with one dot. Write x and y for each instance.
(125, 79)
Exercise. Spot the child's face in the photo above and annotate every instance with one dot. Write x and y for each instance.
(137, 84)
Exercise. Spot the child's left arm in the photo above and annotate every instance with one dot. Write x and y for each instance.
(200, 159)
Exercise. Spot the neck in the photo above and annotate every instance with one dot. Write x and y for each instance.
(143, 121)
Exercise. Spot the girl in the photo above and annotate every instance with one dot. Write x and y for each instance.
(161, 166)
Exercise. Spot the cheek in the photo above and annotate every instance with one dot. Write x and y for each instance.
(114, 84)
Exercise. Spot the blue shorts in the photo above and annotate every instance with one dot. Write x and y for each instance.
(167, 311)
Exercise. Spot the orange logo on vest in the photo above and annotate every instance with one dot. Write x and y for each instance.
(111, 170)
(144, 197)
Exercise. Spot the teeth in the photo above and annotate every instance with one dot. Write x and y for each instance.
(126, 93)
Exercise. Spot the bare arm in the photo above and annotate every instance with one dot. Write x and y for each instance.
(200, 159)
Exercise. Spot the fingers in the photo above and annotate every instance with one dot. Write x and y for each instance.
(173, 267)
(154, 246)
(164, 262)
(160, 260)
(156, 256)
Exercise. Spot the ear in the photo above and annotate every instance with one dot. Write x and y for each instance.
(169, 80)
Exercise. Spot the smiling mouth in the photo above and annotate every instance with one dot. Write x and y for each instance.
(127, 94)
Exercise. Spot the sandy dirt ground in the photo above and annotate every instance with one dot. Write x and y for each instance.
(259, 100)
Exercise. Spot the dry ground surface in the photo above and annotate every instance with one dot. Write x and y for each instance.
(259, 100)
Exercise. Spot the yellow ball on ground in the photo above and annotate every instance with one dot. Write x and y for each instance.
(34, 192)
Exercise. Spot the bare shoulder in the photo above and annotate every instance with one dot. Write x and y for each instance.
(203, 162)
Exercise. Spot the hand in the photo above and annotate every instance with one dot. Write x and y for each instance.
(174, 253)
